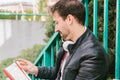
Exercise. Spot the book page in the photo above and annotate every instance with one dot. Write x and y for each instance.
(17, 73)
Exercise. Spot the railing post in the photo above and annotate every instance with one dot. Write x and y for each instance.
(52, 55)
(117, 65)
(86, 9)
(95, 18)
(57, 44)
(85, 2)
(105, 37)
(43, 61)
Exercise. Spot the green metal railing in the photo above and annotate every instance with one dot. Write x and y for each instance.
(85, 2)
(117, 64)
(105, 33)
(95, 18)
(46, 57)
(105, 39)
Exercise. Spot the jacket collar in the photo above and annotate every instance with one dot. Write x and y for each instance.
(72, 47)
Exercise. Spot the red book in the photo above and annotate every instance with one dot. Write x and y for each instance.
(15, 72)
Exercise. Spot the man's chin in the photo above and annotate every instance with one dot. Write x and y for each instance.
(63, 38)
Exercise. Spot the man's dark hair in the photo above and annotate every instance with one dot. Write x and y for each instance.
(73, 7)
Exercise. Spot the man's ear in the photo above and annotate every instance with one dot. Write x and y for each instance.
(69, 19)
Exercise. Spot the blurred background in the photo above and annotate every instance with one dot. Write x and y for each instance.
(25, 27)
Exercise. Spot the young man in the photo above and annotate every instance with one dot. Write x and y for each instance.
(81, 57)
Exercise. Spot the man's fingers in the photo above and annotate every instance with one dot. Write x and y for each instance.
(22, 61)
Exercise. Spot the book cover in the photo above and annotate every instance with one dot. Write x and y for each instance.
(15, 72)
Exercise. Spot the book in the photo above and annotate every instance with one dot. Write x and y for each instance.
(15, 72)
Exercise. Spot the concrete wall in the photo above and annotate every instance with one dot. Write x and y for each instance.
(18, 35)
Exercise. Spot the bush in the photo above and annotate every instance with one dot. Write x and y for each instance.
(29, 54)
(49, 28)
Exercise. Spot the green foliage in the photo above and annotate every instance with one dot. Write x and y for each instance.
(3, 64)
(29, 54)
(49, 28)
(30, 18)
(42, 6)
(8, 16)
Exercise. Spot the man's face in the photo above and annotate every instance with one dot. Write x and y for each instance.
(61, 26)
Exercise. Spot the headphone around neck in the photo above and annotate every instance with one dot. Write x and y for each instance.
(66, 44)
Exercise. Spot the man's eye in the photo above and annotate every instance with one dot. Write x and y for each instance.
(56, 23)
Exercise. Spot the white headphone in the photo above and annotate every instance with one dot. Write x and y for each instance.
(65, 44)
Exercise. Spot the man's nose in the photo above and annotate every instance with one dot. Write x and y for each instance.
(56, 29)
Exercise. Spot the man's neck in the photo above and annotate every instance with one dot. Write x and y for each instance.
(78, 32)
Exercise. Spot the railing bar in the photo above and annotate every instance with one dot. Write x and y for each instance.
(57, 44)
(44, 55)
(46, 47)
(52, 55)
(105, 34)
(95, 18)
(117, 65)
(86, 9)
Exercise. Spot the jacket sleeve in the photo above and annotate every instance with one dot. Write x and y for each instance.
(46, 72)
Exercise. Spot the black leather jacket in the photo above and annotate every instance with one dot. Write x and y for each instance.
(88, 61)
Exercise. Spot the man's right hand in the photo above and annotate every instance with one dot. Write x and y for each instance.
(28, 66)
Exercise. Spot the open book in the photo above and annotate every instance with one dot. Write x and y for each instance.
(15, 72)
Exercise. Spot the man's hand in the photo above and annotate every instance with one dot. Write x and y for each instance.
(28, 66)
